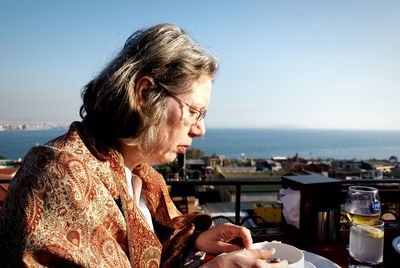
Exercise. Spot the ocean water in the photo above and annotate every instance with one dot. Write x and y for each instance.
(252, 143)
(15, 144)
(308, 143)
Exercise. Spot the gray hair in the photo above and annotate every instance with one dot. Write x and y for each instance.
(168, 55)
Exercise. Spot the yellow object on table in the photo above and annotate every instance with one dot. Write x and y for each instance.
(271, 212)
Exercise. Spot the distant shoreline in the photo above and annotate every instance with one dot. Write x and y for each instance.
(250, 143)
(39, 129)
(300, 128)
(32, 125)
(6, 125)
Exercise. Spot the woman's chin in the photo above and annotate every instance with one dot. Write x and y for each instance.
(167, 158)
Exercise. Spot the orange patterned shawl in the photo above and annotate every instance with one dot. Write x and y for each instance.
(68, 206)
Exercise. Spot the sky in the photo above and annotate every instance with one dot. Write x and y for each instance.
(283, 64)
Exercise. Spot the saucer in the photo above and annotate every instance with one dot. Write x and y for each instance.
(396, 244)
(308, 264)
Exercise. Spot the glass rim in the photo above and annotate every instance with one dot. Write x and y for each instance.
(363, 188)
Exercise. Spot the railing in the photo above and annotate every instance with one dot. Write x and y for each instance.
(391, 196)
(238, 184)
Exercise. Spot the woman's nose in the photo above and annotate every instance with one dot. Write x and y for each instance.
(198, 129)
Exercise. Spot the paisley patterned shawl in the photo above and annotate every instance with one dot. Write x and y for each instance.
(68, 205)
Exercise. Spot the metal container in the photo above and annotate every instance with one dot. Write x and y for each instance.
(328, 225)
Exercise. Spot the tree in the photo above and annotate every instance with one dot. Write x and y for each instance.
(167, 169)
(194, 153)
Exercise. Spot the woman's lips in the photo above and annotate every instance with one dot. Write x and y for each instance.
(182, 148)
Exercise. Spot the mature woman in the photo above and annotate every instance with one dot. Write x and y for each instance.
(90, 198)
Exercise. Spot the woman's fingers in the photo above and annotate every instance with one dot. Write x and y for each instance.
(242, 258)
(231, 231)
(245, 234)
(227, 247)
(260, 253)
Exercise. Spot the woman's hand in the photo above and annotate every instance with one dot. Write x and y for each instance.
(221, 239)
(254, 258)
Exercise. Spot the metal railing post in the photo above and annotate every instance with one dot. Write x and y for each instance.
(237, 204)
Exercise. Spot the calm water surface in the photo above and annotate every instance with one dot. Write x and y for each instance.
(253, 143)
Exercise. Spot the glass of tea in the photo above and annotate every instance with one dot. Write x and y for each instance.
(366, 242)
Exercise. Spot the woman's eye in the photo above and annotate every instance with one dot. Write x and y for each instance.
(193, 111)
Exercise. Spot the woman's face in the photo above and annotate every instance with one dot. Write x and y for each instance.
(181, 126)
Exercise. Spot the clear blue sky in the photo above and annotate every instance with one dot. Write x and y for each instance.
(314, 64)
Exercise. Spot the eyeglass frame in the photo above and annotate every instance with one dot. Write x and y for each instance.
(201, 113)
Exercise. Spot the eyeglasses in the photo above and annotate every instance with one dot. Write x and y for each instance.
(201, 113)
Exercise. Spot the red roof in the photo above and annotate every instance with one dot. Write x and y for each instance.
(6, 173)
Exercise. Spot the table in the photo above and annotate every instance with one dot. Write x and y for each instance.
(337, 251)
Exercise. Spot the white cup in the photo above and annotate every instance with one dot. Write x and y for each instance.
(293, 255)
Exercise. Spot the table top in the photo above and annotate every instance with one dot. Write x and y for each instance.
(337, 252)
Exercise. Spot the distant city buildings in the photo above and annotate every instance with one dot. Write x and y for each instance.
(32, 125)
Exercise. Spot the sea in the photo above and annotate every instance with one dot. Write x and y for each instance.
(252, 143)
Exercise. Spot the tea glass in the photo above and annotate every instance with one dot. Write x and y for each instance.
(366, 242)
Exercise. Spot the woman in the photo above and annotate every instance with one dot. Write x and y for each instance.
(90, 198)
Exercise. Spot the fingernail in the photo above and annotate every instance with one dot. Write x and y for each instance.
(272, 250)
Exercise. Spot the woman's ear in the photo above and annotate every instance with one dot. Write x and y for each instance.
(142, 87)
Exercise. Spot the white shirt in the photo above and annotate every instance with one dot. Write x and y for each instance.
(135, 190)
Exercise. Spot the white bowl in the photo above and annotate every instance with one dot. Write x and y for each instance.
(293, 255)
